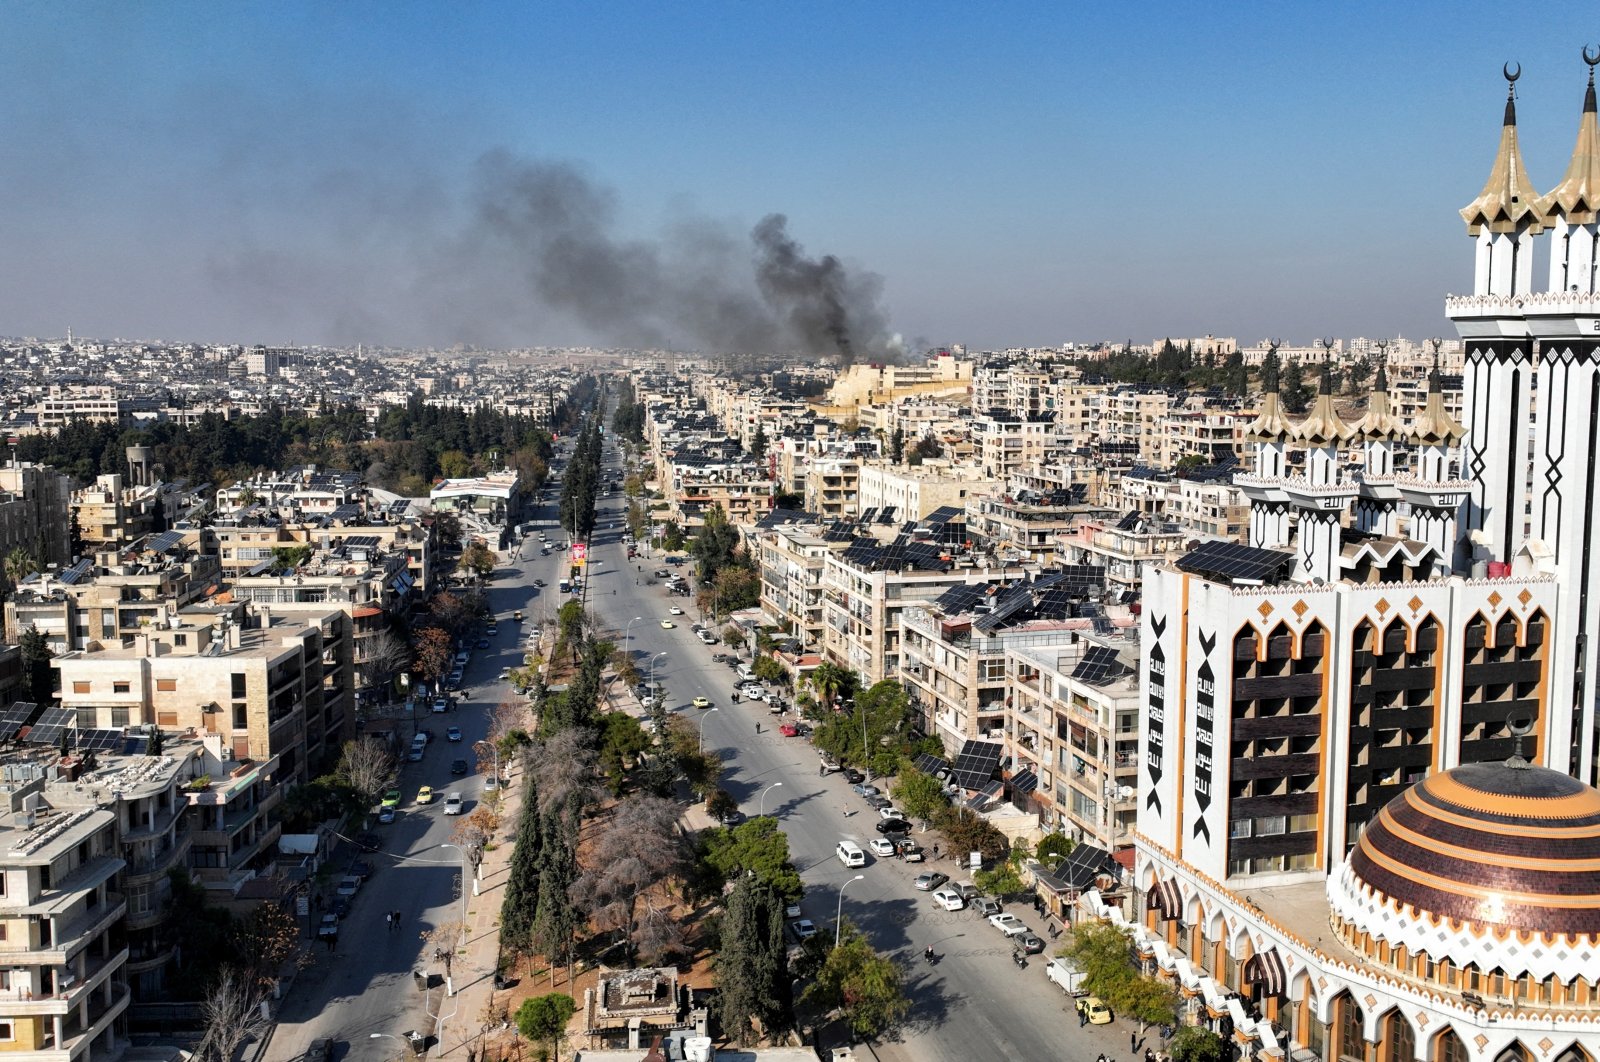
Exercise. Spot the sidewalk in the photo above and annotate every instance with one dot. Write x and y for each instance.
(462, 1025)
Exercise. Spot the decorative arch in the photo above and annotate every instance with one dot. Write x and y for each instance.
(1574, 1052)
(1514, 1052)
(1449, 1047)
(1398, 1036)
(1348, 1027)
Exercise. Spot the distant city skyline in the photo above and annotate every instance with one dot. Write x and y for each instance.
(501, 175)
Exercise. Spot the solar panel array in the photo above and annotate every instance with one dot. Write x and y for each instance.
(346, 513)
(164, 541)
(1231, 561)
(974, 767)
(361, 542)
(77, 572)
(1009, 603)
(959, 599)
(1130, 521)
(15, 718)
(928, 763)
(1099, 663)
(1023, 782)
(97, 740)
(51, 725)
(986, 795)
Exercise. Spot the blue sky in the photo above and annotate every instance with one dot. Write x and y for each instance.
(1015, 173)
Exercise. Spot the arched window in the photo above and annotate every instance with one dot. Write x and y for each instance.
(1449, 1048)
(1352, 1044)
(1400, 1040)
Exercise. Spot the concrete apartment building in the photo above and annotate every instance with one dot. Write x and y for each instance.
(61, 406)
(1075, 729)
(34, 500)
(1005, 443)
(110, 512)
(832, 485)
(64, 988)
(792, 556)
(914, 491)
(869, 584)
(117, 592)
(1026, 523)
(259, 688)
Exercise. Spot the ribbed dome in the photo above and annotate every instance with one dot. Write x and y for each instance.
(1498, 845)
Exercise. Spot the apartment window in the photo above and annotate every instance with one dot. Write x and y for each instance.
(88, 718)
(80, 687)
(180, 639)
(119, 717)
(241, 717)
(7, 1031)
(121, 687)
(167, 686)
(238, 686)
(167, 719)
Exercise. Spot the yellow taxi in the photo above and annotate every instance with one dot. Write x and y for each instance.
(1093, 1008)
(425, 795)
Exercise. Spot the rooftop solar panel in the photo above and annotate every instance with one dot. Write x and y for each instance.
(986, 795)
(164, 541)
(1099, 663)
(15, 718)
(77, 572)
(1024, 782)
(974, 767)
(928, 763)
(1102, 625)
(51, 725)
(1130, 521)
(96, 740)
(1231, 561)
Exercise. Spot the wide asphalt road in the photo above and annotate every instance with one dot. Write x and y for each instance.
(975, 1003)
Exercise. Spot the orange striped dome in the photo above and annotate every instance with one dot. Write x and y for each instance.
(1500, 845)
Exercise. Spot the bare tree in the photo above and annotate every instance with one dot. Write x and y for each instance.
(632, 863)
(509, 715)
(445, 939)
(366, 766)
(473, 832)
(384, 657)
(232, 1014)
(563, 767)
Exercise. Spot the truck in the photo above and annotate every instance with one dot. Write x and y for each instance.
(1066, 973)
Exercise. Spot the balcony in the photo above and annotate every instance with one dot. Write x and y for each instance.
(70, 939)
(19, 1002)
(142, 871)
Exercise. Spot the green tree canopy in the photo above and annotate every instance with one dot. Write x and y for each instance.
(752, 967)
(866, 987)
(757, 848)
(920, 796)
(543, 1019)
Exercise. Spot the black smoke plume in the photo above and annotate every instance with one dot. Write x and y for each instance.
(699, 285)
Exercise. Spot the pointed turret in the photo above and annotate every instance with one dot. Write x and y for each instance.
(1380, 423)
(1270, 425)
(1508, 199)
(1435, 427)
(1376, 511)
(1571, 210)
(1323, 426)
(1577, 197)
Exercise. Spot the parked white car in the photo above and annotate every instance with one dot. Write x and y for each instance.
(1009, 924)
(949, 899)
(452, 804)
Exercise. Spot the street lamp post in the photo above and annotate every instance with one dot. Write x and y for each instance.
(764, 793)
(866, 754)
(653, 660)
(838, 913)
(627, 636)
(449, 980)
(703, 730)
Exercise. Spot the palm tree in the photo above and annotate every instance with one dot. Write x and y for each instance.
(830, 680)
(19, 564)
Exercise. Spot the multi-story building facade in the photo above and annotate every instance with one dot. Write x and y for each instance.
(34, 503)
(1366, 815)
(913, 491)
(259, 688)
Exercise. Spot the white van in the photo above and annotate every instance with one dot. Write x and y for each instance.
(419, 745)
(850, 854)
(747, 673)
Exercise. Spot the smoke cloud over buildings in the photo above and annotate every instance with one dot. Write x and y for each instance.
(700, 285)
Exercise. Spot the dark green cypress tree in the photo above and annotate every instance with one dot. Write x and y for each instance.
(520, 906)
(752, 968)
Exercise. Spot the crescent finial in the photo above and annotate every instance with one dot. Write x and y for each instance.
(1592, 60)
(1512, 78)
(1437, 343)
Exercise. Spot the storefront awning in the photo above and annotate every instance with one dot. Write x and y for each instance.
(1265, 971)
